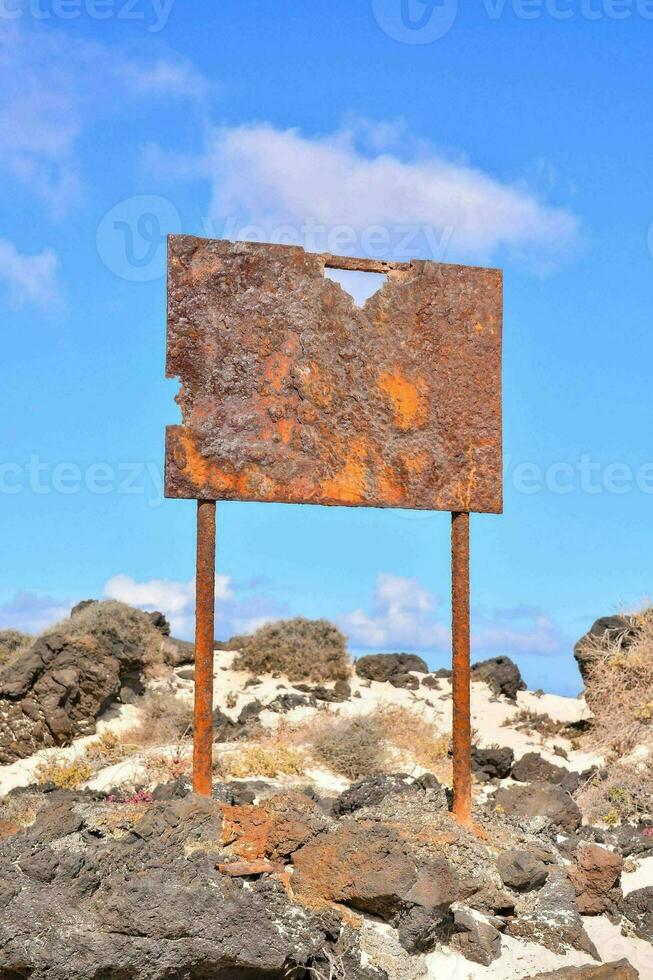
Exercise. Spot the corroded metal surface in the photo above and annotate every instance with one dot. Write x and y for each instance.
(291, 393)
(460, 630)
(204, 643)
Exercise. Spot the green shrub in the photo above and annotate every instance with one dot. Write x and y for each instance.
(303, 649)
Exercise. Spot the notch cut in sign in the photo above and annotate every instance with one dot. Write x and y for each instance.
(292, 393)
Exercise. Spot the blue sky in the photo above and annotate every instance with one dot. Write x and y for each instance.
(516, 134)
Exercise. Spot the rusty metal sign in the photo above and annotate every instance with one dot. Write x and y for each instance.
(291, 393)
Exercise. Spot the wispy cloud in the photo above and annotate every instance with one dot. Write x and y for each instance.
(29, 279)
(56, 86)
(405, 615)
(31, 612)
(365, 178)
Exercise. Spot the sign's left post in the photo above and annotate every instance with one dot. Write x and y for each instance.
(204, 644)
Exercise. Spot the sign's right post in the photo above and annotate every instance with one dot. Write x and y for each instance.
(461, 723)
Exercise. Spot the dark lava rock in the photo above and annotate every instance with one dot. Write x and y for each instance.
(532, 768)
(501, 675)
(286, 702)
(176, 789)
(521, 870)
(67, 676)
(595, 877)
(383, 666)
(431, 681)
(553, 919)
(443, 672)
(154, 905)
(159, 622)
(634, 840)
(370, 791)
(408, 681)
(539, 800)
(492, 763)
(637, 906)
(476, 939)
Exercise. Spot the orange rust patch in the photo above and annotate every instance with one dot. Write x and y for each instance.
(408, 398)
(349, 483)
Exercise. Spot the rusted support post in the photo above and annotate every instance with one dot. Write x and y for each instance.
(204, 642)
(461, 726)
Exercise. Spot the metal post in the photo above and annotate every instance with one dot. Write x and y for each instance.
(461, 725)
(204, 642)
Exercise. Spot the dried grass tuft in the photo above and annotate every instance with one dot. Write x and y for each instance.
(303, 649)
(619, 689)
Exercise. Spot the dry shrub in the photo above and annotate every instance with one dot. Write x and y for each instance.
(624, 792)
(351, 747)
(416, 738)
(530, 721)
(63, 773)
(113, 624)
(165, 720)
(303, 649)
(270, 760)
(108, 750)
(619, 688)
(12, 643)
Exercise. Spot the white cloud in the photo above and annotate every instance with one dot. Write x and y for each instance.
(273, 178)
(29, 279)
(237, 609)
(405, 615)
(55, 86)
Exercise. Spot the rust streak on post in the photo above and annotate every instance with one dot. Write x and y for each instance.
(204, 642)
(461, 726)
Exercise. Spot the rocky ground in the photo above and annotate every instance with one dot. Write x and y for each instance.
(327, 849)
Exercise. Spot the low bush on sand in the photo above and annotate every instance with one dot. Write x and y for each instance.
(619, 688)
(302, 649)
(377, 742)
(270, 760)
(165, 720)
(417, 739)
(622, 793)
(351, 747)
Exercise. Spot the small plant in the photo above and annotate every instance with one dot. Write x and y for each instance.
(164, 768)
(303, 649)
(132, 799)
(107, 750)
(275, 759)
(19, 811)
(622, 792)
(64, 774)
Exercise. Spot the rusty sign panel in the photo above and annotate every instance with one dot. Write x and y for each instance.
(292, 393)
